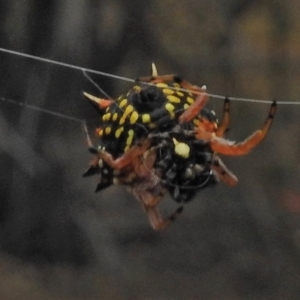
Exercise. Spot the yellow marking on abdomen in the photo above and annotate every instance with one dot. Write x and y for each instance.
(173, 99)
(115, 116)
(161, 85)
(137, 88)
(127, 111)
(186, 106)
(119, 131)
(190, 100)
(134, 117)
(196, 122)
(106, 116)
(170, 108)
(146, 118)
(123, 103)
(168, 92)
(129, 139)
(152, 125)
(179, 93)
(107, 130)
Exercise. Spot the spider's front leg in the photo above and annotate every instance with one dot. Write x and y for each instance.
(225, 147)
(226, 119)
(249, 143)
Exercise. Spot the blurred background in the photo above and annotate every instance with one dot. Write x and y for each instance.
(60, 240)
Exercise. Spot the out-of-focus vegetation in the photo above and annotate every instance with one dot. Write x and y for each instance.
(59, 240)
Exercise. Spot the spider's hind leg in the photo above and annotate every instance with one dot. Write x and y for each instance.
(149, 190)
(156, 220)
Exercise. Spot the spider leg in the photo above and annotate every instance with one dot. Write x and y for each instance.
(194, 109)
(222, 172)
(159, 78)
(226, 119)
(226, 147)
(149, 190)
(127, 158)
(150, 201)
(143, 165)
(156, 220)
(244, 147)
(171, 77)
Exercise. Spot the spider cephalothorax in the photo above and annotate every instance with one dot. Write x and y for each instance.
(160, 138)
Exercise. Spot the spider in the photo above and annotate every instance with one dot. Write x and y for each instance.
(160, 138)
(206, 129)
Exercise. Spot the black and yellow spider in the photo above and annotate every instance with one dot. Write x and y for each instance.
(160, 138)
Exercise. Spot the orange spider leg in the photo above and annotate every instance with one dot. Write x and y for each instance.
(149, 190)
(226, 119)
(159, 78)
(143, 165)
(127, 158)
(145, 184)
(226, 147)
(223, 173)
(150, 202)
(190, 87)
(207, 125)
(194, 109)
(171, 77)
(156, 220)
(202, 134)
